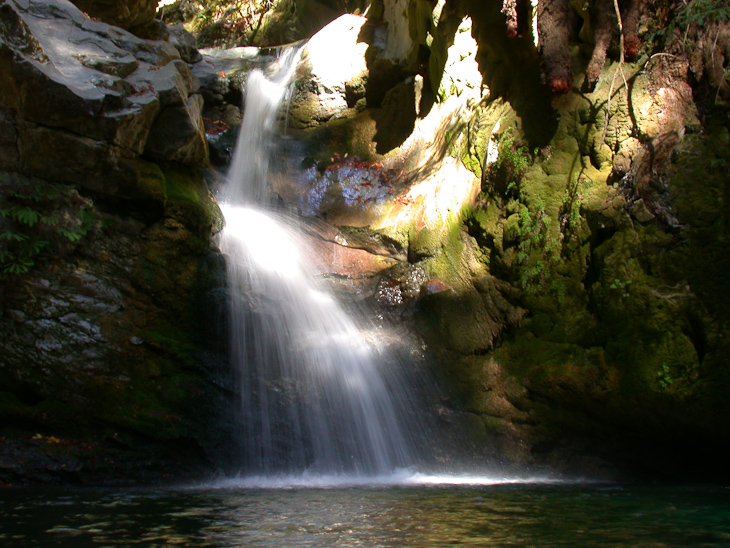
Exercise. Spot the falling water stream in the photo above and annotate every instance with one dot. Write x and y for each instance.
(313, 399)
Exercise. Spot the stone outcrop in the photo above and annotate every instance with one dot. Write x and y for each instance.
(98, 103)
(570, 327)
(107, 220)
(585, 212)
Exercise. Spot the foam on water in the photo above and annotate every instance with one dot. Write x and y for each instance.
(398, 478)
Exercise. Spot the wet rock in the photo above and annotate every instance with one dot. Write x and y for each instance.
(16, 315)
(389, 292)
(371, 241)
(434, 286)
(332, 256)
(401, 284)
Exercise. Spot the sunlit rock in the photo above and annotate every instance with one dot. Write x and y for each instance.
(396, 170)
(185, 43)
(89, 87)
(332, 73)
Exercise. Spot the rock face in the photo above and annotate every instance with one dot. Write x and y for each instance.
(107, 222)
(99, 103)
(576, 322)
(331, 81)
(620, 358)
(125, 14)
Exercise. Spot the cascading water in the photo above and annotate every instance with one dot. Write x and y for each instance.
(312, 396)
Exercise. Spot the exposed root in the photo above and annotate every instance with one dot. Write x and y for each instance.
(630, 34)
(509, 10)
(554, 27)
(619, 69)
(604, 28)
(709, 56)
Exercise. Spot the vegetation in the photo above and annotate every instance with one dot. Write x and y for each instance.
(262, 23)
(702, 13)
(38, 220)
(509, 167)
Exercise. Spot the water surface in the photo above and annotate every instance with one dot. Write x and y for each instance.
(418, 513)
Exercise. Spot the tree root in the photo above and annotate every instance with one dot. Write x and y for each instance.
(554, 28)
(554, 25)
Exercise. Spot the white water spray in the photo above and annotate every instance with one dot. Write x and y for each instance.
(312, 396)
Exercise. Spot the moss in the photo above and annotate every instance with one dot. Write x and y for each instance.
(360, 133)
(150, 181)
(627, 325)
(173, 341)
(158, 408)
(705, 260)
(162, 391)
(446, 252)
(189, 201)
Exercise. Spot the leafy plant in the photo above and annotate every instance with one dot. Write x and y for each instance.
(697, 14)
(663, 377)
(703, 13)
(511, 163)
(36, 218)
(570, 216)
(536, 251)
(621, 286)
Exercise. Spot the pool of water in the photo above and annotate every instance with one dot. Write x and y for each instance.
(418, 511)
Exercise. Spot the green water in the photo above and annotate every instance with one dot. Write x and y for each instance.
(405, 515)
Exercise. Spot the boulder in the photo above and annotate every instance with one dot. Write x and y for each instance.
(178, 134)
(330, 80)
(80, 88)
(185, 43)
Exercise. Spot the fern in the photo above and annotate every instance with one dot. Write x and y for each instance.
(31, 227)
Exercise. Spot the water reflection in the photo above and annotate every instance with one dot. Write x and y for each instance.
(404, 516)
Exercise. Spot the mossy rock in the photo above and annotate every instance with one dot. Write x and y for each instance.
(189, 201)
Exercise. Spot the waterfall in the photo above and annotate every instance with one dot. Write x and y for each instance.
(313, 397)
